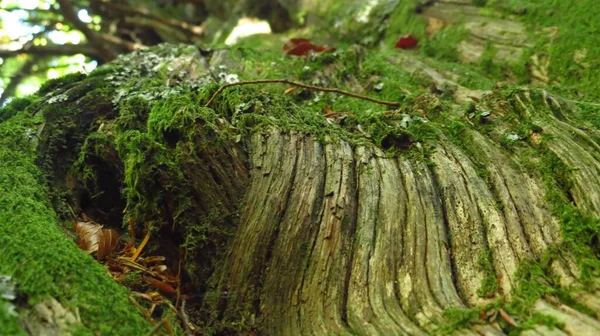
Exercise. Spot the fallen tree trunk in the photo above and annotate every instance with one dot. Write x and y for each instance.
(464, 209)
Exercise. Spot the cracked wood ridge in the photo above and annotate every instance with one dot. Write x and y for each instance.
(343, 240)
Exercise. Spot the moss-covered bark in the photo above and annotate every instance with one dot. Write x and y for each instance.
(477, 199)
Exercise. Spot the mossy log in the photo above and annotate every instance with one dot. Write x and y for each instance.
(471, 208)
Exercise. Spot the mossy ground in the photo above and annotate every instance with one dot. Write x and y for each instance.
(572, 43)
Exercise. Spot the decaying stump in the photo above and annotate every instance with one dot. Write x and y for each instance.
(464, 209)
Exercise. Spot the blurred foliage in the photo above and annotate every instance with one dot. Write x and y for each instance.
(44, 39)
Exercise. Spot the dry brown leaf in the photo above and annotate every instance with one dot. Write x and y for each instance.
(88, 235)
(93, 238)
(108, 243)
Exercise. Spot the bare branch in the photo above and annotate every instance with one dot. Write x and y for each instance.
(305, 86)
(35, 10)
(130, 46)
(186, 27)
(69, 12)
(54, 50)
(23, 72)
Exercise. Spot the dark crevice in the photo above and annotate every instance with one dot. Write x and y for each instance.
(348, 246)
(446, 232)
(424, 262)
(401, 252)
(521, 222)
(319, 220)
(493, 191)
(375, 223)
(412, 316)
(484, 224)
(273, 239)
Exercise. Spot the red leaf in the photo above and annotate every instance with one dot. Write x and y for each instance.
(303, 47)
(164, 287)
(407, 42)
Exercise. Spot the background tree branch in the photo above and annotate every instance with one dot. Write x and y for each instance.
(15, 80)
(104, 52)
(54, 50)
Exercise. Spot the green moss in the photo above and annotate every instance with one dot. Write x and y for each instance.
(40, 259)
(580, 233)
(489, 284)
(96, 145)
(102, 71)
(486, 61)
(537, 318)
(9, 320)
(534, 281)
(589, 113)
(443, 45)
(132, 279)
(457, 319)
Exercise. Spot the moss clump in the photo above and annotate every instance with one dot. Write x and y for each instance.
(457, 319)
(60, 82)
(70, 114)
(580, 233)
(589, 114)
(16, 105)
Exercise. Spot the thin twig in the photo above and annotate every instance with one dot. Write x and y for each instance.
(158, 325)
(141, 247)
(179, 278)
(181, 314)
(72, 213)
(185, 319)
(142, 310)
(305, 86)
(507, 318)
